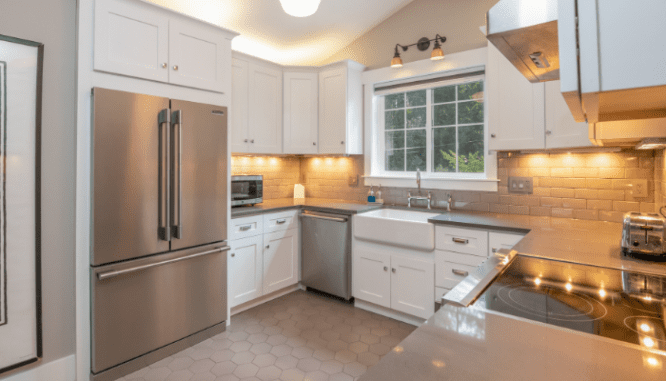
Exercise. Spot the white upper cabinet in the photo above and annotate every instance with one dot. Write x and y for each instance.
(562, 131)
(301, 116)
(240, 103)
(198, 56)
(137, 39)
(516, 106)
(265, 119)
(341, 108)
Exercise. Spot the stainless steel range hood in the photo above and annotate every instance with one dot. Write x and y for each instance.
(525, 31)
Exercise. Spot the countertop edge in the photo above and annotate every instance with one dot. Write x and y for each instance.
(483, 226)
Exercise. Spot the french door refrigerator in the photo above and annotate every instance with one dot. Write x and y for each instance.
(159, 228)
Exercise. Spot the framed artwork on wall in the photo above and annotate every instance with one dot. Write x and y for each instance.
(21, 64)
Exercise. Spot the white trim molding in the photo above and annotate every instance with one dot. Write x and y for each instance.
(62, 369)
(453, 64)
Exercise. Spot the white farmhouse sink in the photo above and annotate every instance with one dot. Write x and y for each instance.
(403, 228)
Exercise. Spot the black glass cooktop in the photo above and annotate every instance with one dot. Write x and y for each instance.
(626, 306)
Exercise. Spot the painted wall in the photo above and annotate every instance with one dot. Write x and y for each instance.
(53, 23)
(457, 20)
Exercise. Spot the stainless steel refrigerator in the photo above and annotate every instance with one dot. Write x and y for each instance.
(159, 226)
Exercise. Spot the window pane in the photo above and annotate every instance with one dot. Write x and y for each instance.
(416, 117)
(470, 148)
(472, 90)
(416, 158)
(416, 98)
(444, 149)
(395, 139)
(416, 138)
(395, 160)
(444, 94)
(394, 101)
(394, 120)
(470, 112)
(444, 115)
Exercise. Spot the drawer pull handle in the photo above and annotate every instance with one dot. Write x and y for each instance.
(233, 255)
(460, 240)
(460, 272)
(245, 228)
(280, 222)
(393, 271)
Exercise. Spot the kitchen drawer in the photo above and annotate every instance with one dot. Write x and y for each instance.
(275, 222)
(498, 241)
(246, 227)
(467, 241)
(447, 261)
(439, 292)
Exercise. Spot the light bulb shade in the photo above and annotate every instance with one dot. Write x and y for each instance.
(300, 8)
(396, 61)
(437, 53)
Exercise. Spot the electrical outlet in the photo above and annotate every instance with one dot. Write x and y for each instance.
(522, 185)
(639, 188)
(353, 181)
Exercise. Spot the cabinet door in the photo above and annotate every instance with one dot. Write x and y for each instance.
(240, 103)
(265, 118)
(280, 260)
(562, 131)
(516, 119)
(333, 111)
(412, 285)
(300, 112)
(131, 39)
(198, 57)
(498, 241)
(372, 279)
(245, 272)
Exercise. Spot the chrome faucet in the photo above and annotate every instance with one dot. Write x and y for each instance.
(448, 206)
(410, 198)
(418, 179)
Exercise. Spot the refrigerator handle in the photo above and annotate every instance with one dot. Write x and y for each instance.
(164, 230)
(177, 158)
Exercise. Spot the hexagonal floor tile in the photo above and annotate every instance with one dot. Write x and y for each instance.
(264, 360)
(308, 364)
(246, 370)
(226, 367)
(180, 375)
(292, 375)
(355, 369)
(180, 363)
(281, 350)
(340, 377)
(241, 358)
(302, 352)
(201, 366)
(269, 373)
(358, 347)
(368, 359)
(317, 375)
(345, 356)
(286, 362)
(240, 346)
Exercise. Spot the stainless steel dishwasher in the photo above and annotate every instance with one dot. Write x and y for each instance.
(326, 253)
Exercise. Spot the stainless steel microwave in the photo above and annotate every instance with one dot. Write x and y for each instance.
(247, 190)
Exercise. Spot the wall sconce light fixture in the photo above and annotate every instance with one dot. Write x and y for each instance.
(422, 44)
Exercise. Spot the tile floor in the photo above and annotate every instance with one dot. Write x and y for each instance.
(300, 336)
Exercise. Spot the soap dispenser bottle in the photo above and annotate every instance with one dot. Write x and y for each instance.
(379, 199)
(371, 195)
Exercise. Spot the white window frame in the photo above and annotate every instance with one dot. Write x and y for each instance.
(457, 63)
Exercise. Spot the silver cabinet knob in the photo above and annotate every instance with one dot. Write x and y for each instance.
(233, 255)
(252, 141)
(548, 132)
(393, 270)
(164, 65)
(268, 246)
(314, 144)
(385, 268)
(493, 135)
(175, 67)
(342, 142)
(245, 140)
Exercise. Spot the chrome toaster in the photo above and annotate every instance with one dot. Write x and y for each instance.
(643, 233)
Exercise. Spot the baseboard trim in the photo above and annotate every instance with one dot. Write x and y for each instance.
(393, 314)
(63, 369)
(263, 299)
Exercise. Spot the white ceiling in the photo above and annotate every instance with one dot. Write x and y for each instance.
(269, 33)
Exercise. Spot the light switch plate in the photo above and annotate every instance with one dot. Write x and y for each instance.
(639, 188)
(521, 185)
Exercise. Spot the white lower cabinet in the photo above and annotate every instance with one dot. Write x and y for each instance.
(396, 282)
(280, 260)
(497, 241)
(245, 270)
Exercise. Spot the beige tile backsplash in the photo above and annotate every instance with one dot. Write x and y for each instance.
(588, 186)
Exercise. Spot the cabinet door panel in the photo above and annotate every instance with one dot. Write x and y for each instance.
(372, 277)
(265, 118)
(412, 285)
(197, 56)
(497, 241)
(240, 103)
(562, 131)
(332, 111)
(516, 117)
(130, 39)
(300, 112)
(280, 260)
(245, 270)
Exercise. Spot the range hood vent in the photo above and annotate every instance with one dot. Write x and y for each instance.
(525, 31)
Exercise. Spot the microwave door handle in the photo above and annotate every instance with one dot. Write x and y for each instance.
(177, 157)
(164, 230)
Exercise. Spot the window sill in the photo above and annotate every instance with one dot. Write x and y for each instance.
(482, 185)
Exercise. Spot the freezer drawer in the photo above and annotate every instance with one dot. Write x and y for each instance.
(142, 305)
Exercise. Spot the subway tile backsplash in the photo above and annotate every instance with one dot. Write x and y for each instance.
(587, 186)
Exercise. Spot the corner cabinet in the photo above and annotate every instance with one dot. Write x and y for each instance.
(141, 40)
(301, 113)
(341, 108)
(525, 115)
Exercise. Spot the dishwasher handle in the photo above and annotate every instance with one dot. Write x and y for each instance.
(322, 217)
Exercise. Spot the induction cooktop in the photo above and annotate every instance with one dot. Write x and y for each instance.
(621, 305)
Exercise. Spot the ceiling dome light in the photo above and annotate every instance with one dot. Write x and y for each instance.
(300, 8)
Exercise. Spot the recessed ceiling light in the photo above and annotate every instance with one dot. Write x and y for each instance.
(300, 8)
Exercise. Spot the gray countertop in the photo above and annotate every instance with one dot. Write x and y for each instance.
(314, 204)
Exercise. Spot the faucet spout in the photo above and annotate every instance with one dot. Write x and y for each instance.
(418, 179)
